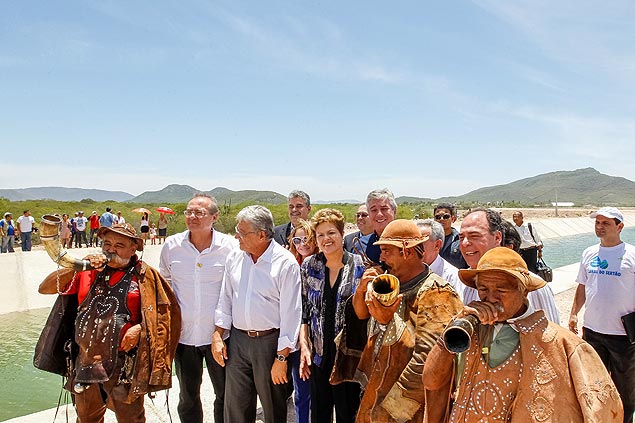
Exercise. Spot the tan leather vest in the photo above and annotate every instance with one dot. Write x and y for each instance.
(489, 394)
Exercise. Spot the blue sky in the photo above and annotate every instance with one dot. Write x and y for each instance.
(336, 98)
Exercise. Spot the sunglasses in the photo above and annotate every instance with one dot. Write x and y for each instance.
(442, 216)
(297, 240)
(362, 214)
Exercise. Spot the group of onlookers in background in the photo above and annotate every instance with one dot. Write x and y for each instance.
(11, 230)
(76, 230)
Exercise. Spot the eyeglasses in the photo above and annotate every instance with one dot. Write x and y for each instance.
(297, 240)
(243, 234)
(445, 216)
(362, 214)
(198, 213)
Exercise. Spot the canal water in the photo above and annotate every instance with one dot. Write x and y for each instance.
(25, 389)
(558, 252)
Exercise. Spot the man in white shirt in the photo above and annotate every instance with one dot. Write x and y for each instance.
(481, 230)
(26, 227)
(193, 262)
(120, 219)
(607, 286)
(260, 303)
(531, 244)
(432, 247)
(80, 225)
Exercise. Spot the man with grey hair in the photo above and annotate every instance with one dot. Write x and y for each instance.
(382, 209)
(260, 303)
(299, 208)
(193, 262)
(431, 249)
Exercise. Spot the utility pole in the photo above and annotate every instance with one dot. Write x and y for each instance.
(556, 186)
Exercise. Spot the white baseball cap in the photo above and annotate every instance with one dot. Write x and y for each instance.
(610, 212)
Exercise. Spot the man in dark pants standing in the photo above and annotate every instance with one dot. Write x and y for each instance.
(194, 263)
(261, 304)
(607, 286)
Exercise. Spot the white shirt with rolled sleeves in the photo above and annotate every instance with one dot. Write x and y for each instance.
(262, 295)
(196, 278)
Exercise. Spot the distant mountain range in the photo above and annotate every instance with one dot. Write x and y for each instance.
(63, 194)
(183, 193)
(582, 187)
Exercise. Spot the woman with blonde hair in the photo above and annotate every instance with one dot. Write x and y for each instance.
(302, 241)
(329, 279)
(302, 245)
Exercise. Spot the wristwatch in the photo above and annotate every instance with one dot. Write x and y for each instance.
(281, 358)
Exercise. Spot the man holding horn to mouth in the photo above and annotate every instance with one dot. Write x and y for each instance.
(127, 328)
(400, 334)
(519, 366)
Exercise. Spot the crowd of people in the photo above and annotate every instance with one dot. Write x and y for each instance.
(76, 231)
(300, 311)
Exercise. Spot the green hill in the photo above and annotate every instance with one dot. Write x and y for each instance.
(581, 186)
(182, 193)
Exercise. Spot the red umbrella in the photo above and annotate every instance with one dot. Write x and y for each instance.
(165, 210)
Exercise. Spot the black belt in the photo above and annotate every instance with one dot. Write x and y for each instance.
(257, 333)
(529, 248)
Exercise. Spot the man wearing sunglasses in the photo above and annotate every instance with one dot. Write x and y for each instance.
(299, 208)
(445, 214)
(365, 226)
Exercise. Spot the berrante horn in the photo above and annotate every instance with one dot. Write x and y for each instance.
(50, 236)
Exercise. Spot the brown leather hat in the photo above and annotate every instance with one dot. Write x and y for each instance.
(506, 260)
(125, 229)
(401, 233)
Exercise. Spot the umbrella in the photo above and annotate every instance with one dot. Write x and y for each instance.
(141, 210)
(165, 210)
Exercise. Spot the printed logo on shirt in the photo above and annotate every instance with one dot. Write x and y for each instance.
(598, 267)
(598, 262)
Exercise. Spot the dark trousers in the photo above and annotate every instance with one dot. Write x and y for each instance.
(188, 364)
(618, 355)
(530, 255)
(301, 390)
(79, 236)
(91, 404)
(345, 397)
(248, 374)
(93, 237)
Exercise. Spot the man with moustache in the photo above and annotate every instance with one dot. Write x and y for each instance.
(482, 230)
(193, 262)
(606, 284)
(518, 366)
(260, 303)
(127, 328)
(299, 208)
(382, 209)
(402, 333)
(365, 227)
